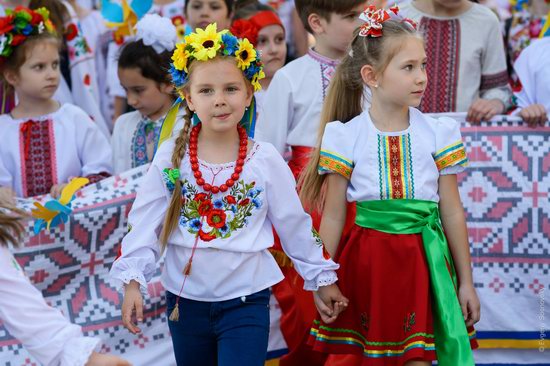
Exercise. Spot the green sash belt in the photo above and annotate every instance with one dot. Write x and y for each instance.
(413, 217)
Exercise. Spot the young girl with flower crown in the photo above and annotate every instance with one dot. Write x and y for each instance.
(142, 66)
(44, 144)
(43, 330)
(405, 264)
(210, 200)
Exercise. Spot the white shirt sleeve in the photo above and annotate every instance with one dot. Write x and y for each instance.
(336, 155)
(141, 247)
(45, 333)
(526, 74)
(94, 149)
(494, 76)
(300, 241)
(277, 113)
(450, 156)
(6, 179)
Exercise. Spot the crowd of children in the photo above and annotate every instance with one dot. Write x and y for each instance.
(315, 174)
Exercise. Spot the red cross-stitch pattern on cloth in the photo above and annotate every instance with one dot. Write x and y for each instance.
(38, 168)
(443, 51)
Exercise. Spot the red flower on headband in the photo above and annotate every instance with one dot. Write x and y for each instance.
(36, 18)
(373, 21)
(6, 24)
(242, 28)
(17, 39)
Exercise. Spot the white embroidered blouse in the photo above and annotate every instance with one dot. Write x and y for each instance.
(235, 229)
(37, 153)
(393, 165)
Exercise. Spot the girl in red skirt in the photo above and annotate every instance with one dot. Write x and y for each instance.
(405, 265)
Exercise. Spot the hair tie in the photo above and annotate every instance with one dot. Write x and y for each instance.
(374, 19)
(157, 32)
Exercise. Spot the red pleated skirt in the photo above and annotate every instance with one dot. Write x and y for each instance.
(389, 317)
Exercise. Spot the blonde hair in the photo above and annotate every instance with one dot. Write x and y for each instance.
(345, 95)
(11, 226)
(171, 220)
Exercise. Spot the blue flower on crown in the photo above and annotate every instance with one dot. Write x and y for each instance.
(178, 77)
(230, 43)
(251, 71)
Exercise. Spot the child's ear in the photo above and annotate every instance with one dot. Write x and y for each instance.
(166, 88)
(316, 23)
(10, 76)
(369, 76)
(188, 99)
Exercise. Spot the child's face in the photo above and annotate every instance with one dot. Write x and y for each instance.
(338, 29)
(200, 13)
(145, 95)
(39, 75)
(272, 47)
(218, 94)
(404, 80)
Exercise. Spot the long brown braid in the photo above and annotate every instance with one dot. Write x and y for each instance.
(11, 225)
(172, 216)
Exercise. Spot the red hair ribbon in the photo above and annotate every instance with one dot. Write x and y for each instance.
(374, 18)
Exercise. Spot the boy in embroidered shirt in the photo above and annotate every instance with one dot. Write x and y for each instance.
(297, 91)
(466, 60)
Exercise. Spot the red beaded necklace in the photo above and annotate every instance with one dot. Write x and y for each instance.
(194, 160)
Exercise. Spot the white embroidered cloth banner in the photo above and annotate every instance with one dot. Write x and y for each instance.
(505, 192)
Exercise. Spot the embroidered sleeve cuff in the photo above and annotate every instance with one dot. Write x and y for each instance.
(452, 155)
(455, 169)
(325, 278)
(124, 278)
(331, 162)
(77, 351)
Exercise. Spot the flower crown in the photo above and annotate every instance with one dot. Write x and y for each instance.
(19, 24)
(374, 18)
(205, 45)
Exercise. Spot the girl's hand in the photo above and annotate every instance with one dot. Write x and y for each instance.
(329, 302)
(469, 302)
(55, 192)
(7, 196)
(98, 359)
(132, 300)
(534, 115)
(484, 110)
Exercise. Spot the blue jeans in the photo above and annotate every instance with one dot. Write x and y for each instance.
(225, 333)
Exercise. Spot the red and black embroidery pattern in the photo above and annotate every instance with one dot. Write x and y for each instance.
(443, 51)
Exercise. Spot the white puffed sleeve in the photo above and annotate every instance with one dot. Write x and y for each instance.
(300, 241)
(277, 113)
(140, 247)
(94, 149)
(450, 155)
(44, 332)
(6, 179)
(336, 154)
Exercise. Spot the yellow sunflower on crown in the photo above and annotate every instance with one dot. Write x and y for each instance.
(206, 42)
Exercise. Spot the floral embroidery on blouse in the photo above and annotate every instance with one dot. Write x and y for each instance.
(319, 243)
(216, 218)
(76, 43)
